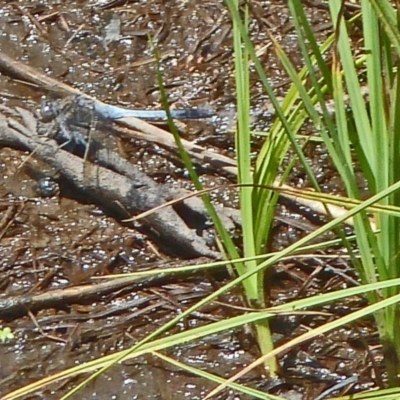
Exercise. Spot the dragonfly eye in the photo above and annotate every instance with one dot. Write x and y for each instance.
(48, 110)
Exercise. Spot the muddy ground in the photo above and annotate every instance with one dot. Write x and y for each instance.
(55, 236)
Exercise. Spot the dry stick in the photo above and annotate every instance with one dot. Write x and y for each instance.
(15, 306)
(153, 134)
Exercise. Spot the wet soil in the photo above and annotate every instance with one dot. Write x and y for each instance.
(54, 239)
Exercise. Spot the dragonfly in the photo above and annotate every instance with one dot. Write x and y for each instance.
(79, 110)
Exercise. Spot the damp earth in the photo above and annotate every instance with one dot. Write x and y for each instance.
(54, 240)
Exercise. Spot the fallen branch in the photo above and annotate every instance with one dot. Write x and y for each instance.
(122, 195)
